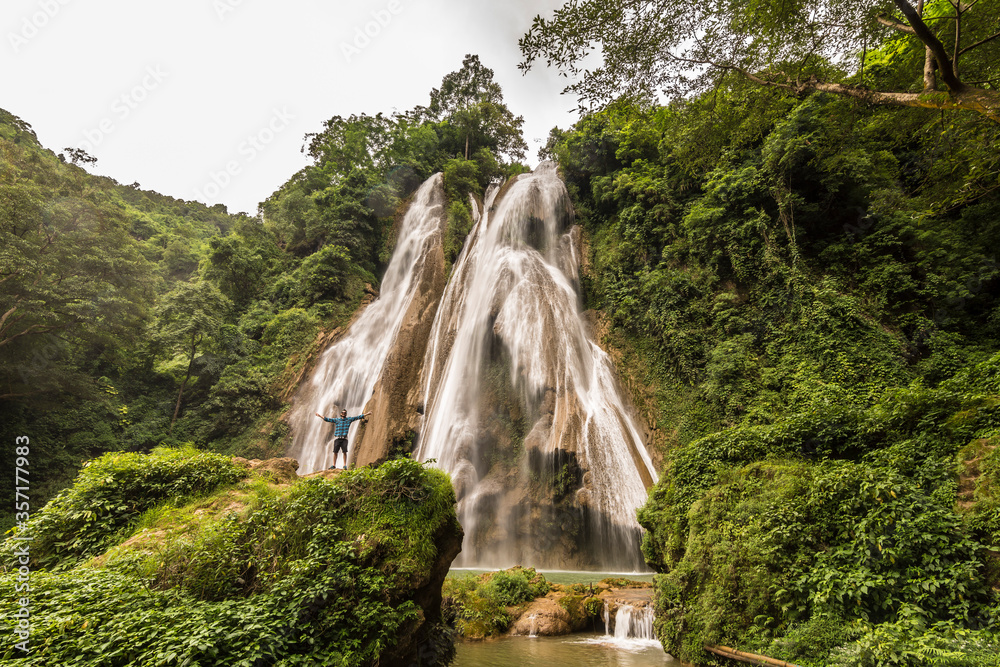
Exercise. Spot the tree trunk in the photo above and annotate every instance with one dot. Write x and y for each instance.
(180, 394)
(466, 145)
(930, 79)
(985, 102)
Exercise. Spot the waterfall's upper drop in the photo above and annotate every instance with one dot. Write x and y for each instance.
(376, 355)
(494, 374)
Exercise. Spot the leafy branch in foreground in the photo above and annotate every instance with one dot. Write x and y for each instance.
(689, 47)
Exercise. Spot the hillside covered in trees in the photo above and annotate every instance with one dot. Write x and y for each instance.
(804, 290)
(796, 272)
(130, 320)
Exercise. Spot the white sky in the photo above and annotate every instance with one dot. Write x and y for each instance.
(169, 93)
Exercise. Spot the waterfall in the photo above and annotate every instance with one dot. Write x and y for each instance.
(634, 623)
(522, 407)
(496, 376)
(347, 372)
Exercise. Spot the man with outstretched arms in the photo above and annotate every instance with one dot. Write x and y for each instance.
(341, 427)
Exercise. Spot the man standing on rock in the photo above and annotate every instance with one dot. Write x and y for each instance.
(341, 427)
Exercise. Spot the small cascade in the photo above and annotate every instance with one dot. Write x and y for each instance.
(606, 615)
(533, 619)
(347, 372)
(634, 623)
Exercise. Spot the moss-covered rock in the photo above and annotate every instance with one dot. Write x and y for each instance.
(260, 571)
(488, 604)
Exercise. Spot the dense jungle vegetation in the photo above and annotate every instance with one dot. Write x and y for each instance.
(186, 557)
(130, 320)
(809, 286)
(800, 279)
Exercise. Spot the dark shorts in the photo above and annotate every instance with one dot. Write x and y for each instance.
(340, 444)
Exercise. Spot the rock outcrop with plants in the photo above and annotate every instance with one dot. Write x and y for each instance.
(183, 557)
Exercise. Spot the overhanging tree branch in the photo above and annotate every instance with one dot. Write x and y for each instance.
(712, 35)
(981, 101)
(894, 24)
(924, 34)
(979, 43)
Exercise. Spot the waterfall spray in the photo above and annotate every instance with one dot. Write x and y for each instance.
(523, 408)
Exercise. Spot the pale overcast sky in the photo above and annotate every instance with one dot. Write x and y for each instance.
(172, 93)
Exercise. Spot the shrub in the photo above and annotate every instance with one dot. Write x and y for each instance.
(324, 572)
(479, 603)
(108, 497)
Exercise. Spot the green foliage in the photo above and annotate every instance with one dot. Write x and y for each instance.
(913, 641)
(107, 498)
(594, 606)
(806, 295)
(240, 261)
(472, 103)
(479, 604)
(792, 48)
(323, 572)
(462, 178)
(752, 551)
(514, 586)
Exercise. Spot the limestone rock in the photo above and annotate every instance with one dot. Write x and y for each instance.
(280, 470)
(544, 617)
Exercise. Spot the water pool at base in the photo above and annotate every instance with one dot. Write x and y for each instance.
(578, 650)
(562, 576)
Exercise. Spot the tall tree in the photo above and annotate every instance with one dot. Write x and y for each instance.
(472, 101)
(187, 319)
(686, 46)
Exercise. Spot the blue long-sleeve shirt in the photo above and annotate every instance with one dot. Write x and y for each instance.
(341, 425)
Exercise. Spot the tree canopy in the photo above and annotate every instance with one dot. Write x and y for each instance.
(473, 102)
(949, 50)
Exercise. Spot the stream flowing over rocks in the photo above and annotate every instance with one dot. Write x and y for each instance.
(495, 375)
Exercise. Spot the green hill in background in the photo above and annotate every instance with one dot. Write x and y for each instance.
(130, 320)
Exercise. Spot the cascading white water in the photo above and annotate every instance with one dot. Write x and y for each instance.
(522, 407)
(533, 630)
(634, 623)
(347, 372)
